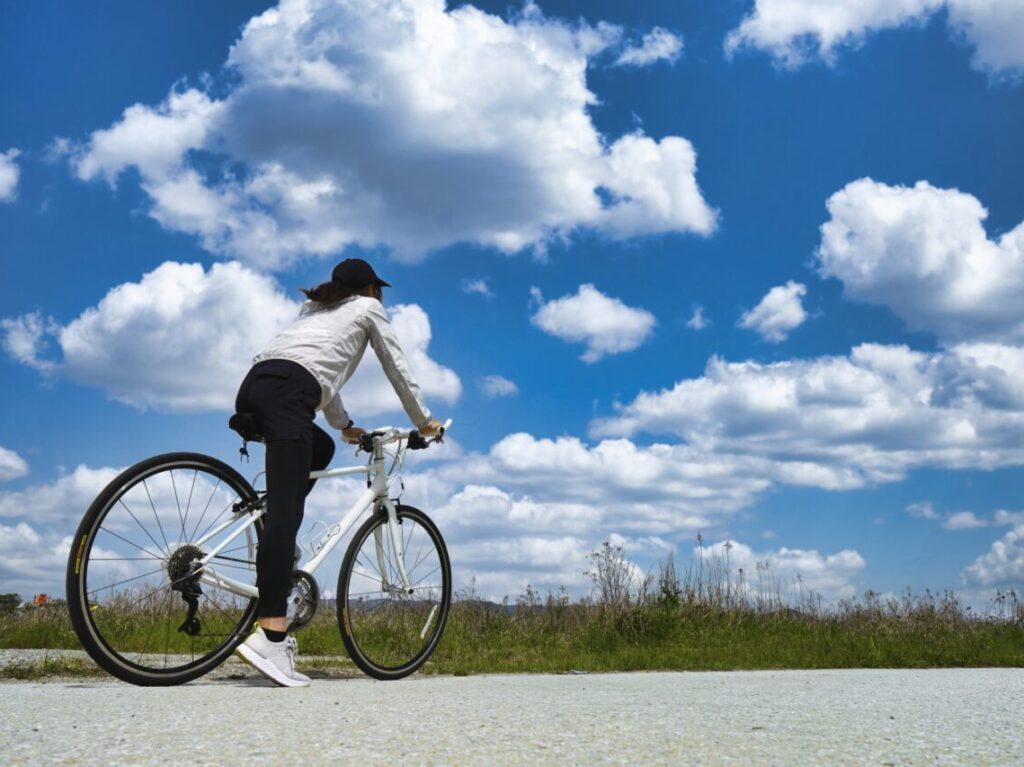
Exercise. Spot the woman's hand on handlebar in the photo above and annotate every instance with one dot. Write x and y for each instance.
(352, 434)
(432, 429)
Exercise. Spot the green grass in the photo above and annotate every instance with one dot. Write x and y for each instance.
(711, 619)
(656, 635)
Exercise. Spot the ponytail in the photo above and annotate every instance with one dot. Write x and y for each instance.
(328, 293)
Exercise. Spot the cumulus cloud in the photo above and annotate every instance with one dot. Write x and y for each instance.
(779, 312)
(963, 520)
(62, 501)
(31, 562)
(829, 575)
(498, 386)
(528, 510)
(1002, 565)
(604, 324)
(657, 45)
(648, 490)
(845, 421)
(25, 339)
(796, 31)
(182, 338)
(12, 465)
(9, 173)
(996, 30)
(923, 253)
(400, 124)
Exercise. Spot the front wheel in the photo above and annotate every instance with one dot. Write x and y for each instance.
(389, 629)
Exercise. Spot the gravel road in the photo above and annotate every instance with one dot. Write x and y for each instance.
(961, 716)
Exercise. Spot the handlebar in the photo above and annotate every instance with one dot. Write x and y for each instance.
(386, 434)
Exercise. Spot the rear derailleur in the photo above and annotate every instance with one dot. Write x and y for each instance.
(183, 570)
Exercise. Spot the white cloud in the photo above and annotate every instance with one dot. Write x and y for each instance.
(12, 465)
(604, 324)
(828, 575)
(838, 422)
(959, 520)
(657, 45)
(63, 501)
(9, 173)
(651, 490)
(30, 562)
(1002, 565)
(963, 520)
(25, 339)
(995, 28)
(478, 286)
(796, 31)
(698, 321)
(923, 253)
(779, 312)
(922, 509)
(399, 124)
(183, 337)
(498, 386)
(1004, 517)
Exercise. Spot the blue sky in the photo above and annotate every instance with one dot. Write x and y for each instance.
(837, 192)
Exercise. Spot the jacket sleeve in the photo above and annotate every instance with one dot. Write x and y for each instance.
(336, 414)
(385, 345)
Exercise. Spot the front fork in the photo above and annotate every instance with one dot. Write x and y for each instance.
(395, 532)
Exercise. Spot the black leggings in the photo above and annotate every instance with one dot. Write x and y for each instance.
(284, 396)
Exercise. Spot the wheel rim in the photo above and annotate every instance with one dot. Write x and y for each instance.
(392, 630)
(141, 548)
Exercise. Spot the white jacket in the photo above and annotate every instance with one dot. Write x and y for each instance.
(329, 343)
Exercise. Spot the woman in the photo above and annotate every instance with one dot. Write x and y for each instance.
(299, 373)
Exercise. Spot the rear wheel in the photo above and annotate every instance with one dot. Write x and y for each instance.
(390, 631)
(135, 600)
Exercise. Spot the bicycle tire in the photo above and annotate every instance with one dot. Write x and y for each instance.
(117, 629)
(387, 618)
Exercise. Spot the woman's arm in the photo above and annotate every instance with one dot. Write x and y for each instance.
(389, 352)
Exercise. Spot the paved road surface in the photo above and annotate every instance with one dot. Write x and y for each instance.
(941, 717)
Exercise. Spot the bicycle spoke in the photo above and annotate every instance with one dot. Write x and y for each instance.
(126, 580)
(367, 564)
(188, 505)
(178, 502)
(205, 508)
(414, 585)
(144, 529)
(149, 636)
(167, 628)
(155, 515)
(217, 518)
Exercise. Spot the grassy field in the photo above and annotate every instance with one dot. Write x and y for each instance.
(705, 621)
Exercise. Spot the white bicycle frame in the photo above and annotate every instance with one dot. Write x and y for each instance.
(377, 493)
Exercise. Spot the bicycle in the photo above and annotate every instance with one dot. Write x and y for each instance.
(149, 590)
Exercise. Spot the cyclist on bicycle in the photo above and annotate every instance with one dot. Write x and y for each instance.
(300, 372)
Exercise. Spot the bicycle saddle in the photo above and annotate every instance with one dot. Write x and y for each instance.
(246, 426)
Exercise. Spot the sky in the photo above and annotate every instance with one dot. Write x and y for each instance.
(749, 270)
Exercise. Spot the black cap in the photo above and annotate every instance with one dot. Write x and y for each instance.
(355, 274)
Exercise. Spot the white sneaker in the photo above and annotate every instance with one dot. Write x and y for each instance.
(275, 660)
